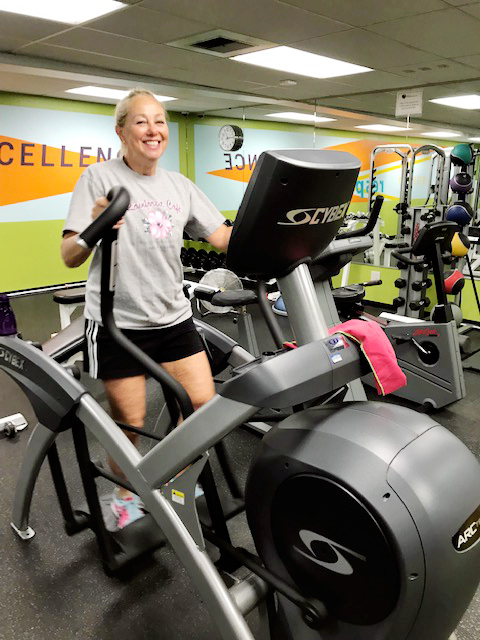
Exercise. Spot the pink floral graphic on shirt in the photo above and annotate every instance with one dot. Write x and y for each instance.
(159, 224)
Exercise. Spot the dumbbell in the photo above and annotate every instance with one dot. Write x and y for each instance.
(200, 260)
(188, 256)
(416, 305)
(213, 260)
(421, 266)
(424, 284)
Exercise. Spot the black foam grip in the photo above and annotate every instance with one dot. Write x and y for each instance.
(119, 200)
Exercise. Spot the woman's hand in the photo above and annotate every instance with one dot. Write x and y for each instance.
(99, 207)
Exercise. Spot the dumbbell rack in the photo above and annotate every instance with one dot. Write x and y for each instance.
(387, 244)
(201, 259)
(413, 282)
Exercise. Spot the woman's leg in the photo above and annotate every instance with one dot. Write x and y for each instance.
(127, 399)
(195, 375)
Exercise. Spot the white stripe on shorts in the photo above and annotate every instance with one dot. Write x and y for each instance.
(91, 332)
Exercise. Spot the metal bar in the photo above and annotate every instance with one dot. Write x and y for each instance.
(219, 603)
(304, 313)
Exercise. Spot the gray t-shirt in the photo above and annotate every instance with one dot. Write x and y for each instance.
(148, 284)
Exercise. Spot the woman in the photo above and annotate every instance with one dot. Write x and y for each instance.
(150, 305)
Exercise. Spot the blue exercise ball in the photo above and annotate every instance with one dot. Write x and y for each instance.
(460, 212)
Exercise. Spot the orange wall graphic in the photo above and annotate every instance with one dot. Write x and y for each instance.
(29, 170)
(241, 171)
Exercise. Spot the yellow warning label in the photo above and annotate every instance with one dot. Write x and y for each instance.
(178, 496)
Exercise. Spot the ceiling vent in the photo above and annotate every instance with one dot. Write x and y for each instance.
(219, 42)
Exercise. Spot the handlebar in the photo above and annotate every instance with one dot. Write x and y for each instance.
(399, 254)
(372, 221)
(119, 199)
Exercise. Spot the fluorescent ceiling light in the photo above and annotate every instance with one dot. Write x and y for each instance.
(307, 117)
(114, 94)
(60, 10)
(381, 127)
(474, 139)
(460, 102)
(300, 62)
(441, 134)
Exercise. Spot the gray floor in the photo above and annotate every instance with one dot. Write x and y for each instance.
(53, 587)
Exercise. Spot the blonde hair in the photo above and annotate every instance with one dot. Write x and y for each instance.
(123, 107)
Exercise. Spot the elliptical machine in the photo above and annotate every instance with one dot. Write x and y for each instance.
(369, 503)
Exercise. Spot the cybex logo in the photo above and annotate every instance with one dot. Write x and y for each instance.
(11, 358)
(323, 215)
(338, 564)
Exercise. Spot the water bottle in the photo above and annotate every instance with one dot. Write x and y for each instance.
(8, 324)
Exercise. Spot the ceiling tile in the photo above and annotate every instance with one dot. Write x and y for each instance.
(432, 44)
(108, 44)
(455, 117)
(436, 32)
(267, 19)
(375, 81)
(103, 62)
(367, 11)
(366, 48)
(472, 61)
(225, 73)
(11, 45)
(437, 71)
(28, 28)
(369, 103)
(458, 3)
(472, 9)
(148, 25)
(207, 77)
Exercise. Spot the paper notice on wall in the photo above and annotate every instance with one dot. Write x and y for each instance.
(409, 103)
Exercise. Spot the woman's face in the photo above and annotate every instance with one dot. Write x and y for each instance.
(145, 134)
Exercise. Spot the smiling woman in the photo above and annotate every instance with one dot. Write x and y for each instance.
(143, 130)
(149, 300)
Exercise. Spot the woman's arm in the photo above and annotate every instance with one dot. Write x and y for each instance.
(220, 237)
(72, 253)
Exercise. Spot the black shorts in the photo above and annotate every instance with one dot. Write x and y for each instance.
(105, 359)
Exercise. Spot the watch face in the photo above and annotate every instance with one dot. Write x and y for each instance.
(230, 137)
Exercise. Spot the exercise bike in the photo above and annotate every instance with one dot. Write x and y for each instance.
(365, 515)
(427, 352)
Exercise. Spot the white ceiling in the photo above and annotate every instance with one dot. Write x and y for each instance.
(428, 44)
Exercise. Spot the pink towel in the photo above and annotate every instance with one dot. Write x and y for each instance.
(378, 351)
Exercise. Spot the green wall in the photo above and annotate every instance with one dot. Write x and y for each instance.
(34, 249)
(39, 242)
